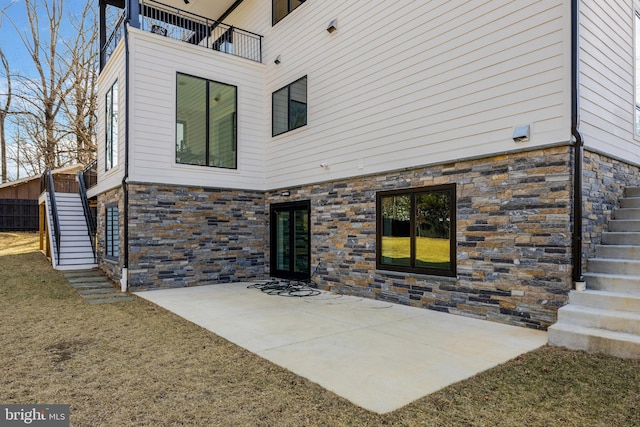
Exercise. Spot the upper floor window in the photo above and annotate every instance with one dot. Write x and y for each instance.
(282, 8)
(111, 127)
(205, 122)
(416, 230)
(289, 106)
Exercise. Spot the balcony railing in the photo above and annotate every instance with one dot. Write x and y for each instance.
(190, 28)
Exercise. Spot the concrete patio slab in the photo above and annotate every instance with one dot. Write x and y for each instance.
(378, 355)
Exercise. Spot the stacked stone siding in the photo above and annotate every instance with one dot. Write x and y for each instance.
(513, 233)
(604, 181)
(185, 236)
(513, 237)
(112, 268)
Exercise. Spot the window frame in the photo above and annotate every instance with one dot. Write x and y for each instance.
(292, 208)
(111, 127)
(289, 103)
(274, 21)
(112, 229)
(208, 124)
(412, 268)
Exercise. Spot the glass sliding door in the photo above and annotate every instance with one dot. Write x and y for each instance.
(290, 240)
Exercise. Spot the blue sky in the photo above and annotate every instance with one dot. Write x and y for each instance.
(14, 50)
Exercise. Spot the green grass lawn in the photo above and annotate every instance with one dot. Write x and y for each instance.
(429, 251)
(135, 364)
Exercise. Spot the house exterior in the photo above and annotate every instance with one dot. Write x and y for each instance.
(458, 156)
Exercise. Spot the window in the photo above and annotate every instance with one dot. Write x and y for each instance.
(112, 239)
(111, 127)
(289, 106)
(282, 8)
(416, 230)
(205, 122)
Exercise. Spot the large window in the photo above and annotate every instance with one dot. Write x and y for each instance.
(205, 122)
(290, 107)
(282, 8)
(416, 230)
(112, 240)
(111, 127)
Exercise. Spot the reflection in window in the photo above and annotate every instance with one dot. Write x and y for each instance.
(282, 8)
(112, 240)
(111, 127)
(416, 230)
(205, 123)
(290, 107)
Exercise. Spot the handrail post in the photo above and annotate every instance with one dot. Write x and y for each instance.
(50, 188)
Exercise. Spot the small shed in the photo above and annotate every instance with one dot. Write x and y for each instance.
(19, 199)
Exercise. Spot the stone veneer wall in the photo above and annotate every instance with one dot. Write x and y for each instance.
(513, 237)
(111, 268)
(604, 181)
(185, 236)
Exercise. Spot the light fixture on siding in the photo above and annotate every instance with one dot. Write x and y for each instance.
(521, 133)
(278, 60)
(324, 165)
(333, 25)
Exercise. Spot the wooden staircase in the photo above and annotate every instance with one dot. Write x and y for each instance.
(76, 251)
(605, 318)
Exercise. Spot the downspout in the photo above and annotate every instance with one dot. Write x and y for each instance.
(578, 143)
(124, 280)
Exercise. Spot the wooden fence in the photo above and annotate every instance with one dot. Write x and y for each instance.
(18, 215)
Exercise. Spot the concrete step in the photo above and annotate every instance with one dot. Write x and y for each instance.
(63, 267)
(613, 282)
(618, 251)
(594, 340)
(630, 202)
(95, 288)
(626, 213)
(632, 192)
(606, 300)
(614, 266)
(624, 225)
(599, 318)
(620, 238)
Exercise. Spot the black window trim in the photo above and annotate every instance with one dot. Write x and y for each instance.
(208, 124)
(274, 272)
(451, 189)
(289, 10)
(111, 145)
(114, 232)
(288, 88)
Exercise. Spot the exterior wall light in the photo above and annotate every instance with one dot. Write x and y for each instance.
(278, 60)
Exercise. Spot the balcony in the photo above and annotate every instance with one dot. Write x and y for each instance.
(175, 23)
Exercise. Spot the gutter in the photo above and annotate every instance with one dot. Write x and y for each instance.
(578, 144)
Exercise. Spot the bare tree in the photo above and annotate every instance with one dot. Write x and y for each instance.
(57, 101)
(80, 106)
(4, 111)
